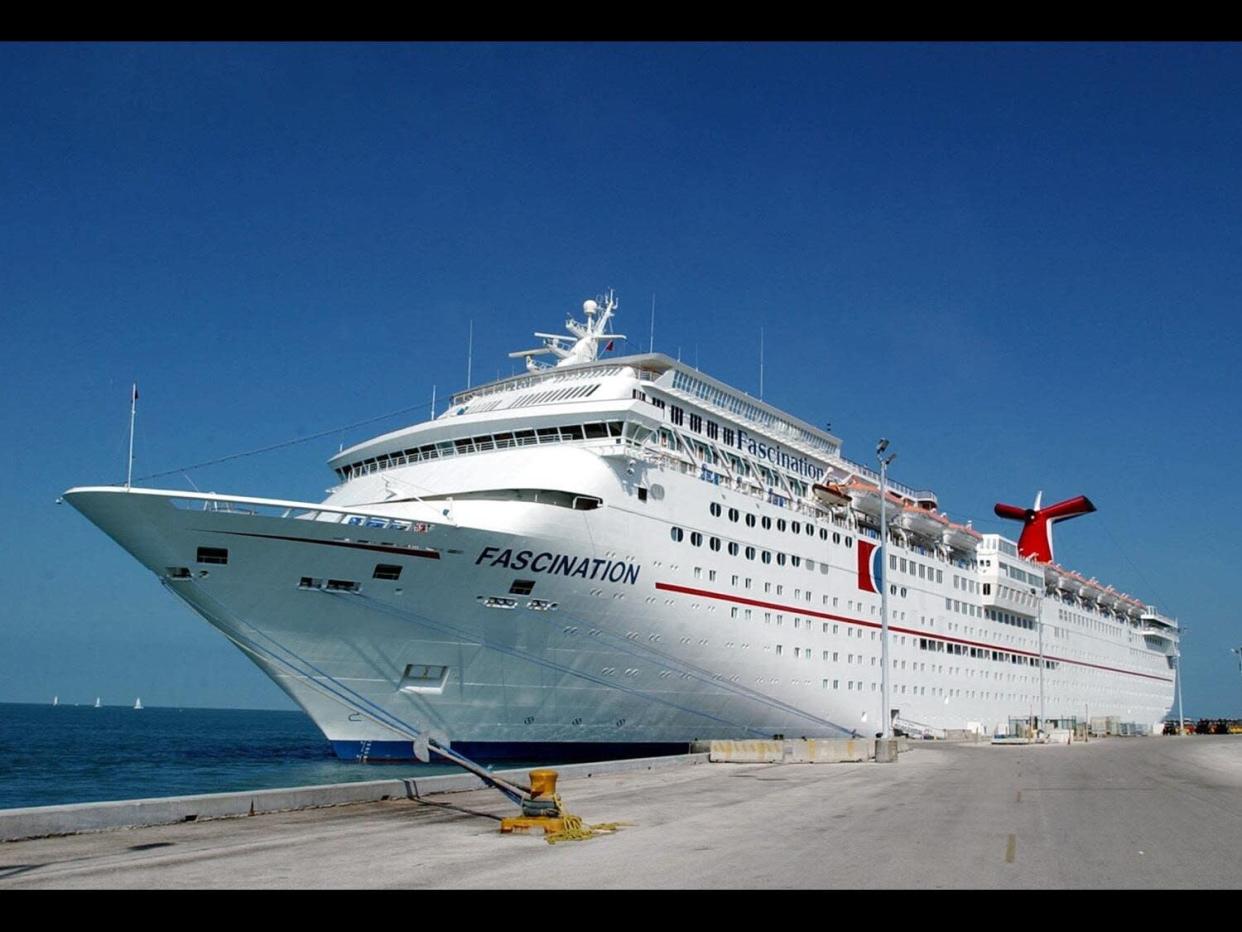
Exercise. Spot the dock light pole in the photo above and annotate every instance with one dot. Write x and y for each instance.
(1040, 620)
(884, 463)
(1233, 650)
(1181, 718)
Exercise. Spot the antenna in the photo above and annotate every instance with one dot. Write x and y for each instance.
(761, 364)
(651, 339)
(470, 353)
(433, 402)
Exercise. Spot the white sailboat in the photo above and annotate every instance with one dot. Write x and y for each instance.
(56, 700)
(97, 703)
(138, 704)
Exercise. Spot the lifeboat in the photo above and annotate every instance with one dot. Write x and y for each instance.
(866, 498)
(920, 521)
(961, 536)
(830, 494)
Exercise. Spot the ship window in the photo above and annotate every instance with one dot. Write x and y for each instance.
(522, 587)
(642, 494)
(767, 523)
(714, 543)
(306, 582)
(795, 526)
(780, 524)
(696, 423)
(714, 508)
(677, 534)
(177, 572)
(342, 585)
(523, 437)
(750, 520)
(795, 560)
(594, 431)
(386, 571)
(766, 556)
(750, 553)
(733, 548)
(213, 555)
(780, 559)
(572, 432)
(675, 414)
(696, 538)
(586, 502)
(548, 435)
(733, 514)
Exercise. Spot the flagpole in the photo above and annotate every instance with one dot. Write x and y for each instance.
(133, 408)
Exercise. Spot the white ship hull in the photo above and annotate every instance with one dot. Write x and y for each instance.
(672, 656)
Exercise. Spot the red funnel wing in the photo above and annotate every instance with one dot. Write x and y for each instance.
(1036, 539)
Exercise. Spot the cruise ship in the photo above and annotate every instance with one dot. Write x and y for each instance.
(621, 551)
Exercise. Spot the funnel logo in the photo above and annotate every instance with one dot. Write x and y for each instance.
(1036, 540)
(870, 566)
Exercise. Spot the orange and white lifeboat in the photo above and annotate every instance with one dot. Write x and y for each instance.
(831, 494)
(961, 536)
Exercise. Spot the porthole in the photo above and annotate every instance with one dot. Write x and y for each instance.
(750, 520)
(732, 548)
(750, 553)
(766, 556)
(677, 534)
(715, 509)
(696, 538)
(733, 514)
(767, 523)
(714, 543)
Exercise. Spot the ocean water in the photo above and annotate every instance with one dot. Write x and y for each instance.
(51, 755)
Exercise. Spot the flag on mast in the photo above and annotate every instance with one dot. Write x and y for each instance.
(133, 408)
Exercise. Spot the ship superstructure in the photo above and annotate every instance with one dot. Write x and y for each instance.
(624, 550)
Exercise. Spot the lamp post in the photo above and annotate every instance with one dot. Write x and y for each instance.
(1238, 651)
(1181, 717)
(1040, 621)
(884, 463)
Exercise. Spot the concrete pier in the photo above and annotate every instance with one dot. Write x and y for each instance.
(1136, 813)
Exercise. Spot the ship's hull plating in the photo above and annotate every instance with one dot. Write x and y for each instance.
(632, 638)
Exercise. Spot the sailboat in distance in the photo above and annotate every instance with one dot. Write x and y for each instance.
(138, 704)
(97, 703)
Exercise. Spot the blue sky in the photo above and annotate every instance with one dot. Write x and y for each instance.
(1018, 262)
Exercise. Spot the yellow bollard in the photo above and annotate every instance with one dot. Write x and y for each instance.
(540, 812)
